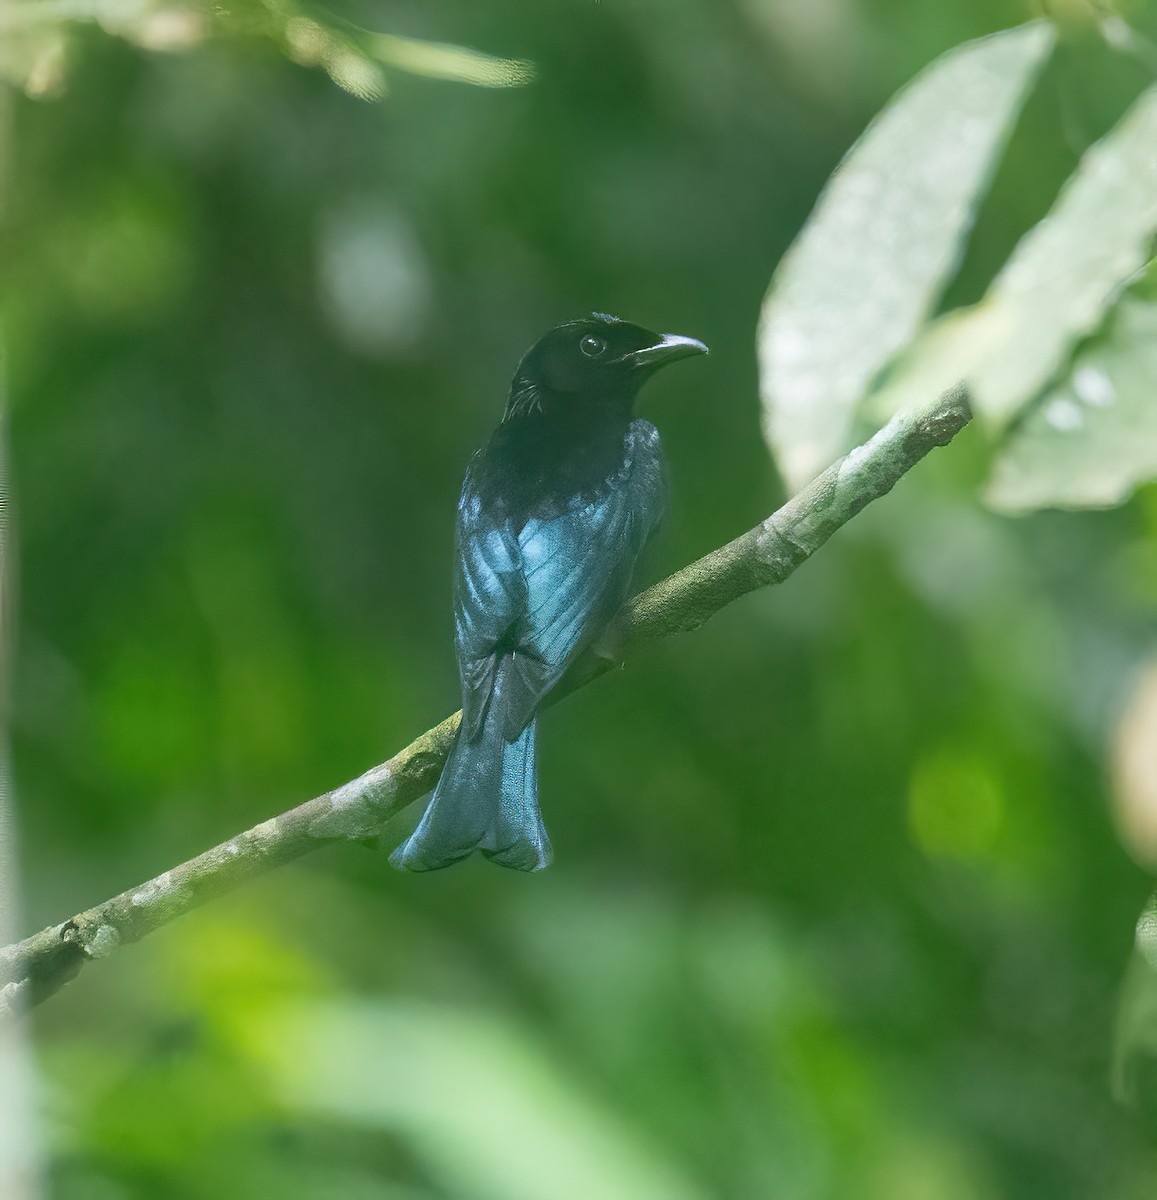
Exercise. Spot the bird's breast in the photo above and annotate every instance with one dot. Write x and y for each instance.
(532, 469)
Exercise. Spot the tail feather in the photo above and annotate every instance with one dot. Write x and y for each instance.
(487, 800)
(516, 836)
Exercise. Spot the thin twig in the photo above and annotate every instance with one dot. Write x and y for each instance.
(33, 969)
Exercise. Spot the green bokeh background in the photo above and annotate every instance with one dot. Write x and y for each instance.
(838, 909)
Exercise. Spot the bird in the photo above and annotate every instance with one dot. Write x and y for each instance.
(553, 514)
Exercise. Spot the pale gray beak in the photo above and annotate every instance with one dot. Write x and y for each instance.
(671, 346)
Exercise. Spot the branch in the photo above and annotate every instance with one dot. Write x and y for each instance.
(33, 969)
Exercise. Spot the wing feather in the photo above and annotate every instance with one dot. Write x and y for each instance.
(539, 594)
(578, 570)
(489, 599)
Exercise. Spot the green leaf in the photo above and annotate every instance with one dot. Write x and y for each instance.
(883, 240)
(1093, 437)
(313, 43)
(440, 60)
(32, 41)
(1062, 277)
(1135, 1033)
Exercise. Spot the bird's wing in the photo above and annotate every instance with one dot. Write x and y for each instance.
(490, 596)
(534, 597)
(577, 570)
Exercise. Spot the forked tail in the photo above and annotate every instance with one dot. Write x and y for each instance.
(486, 799)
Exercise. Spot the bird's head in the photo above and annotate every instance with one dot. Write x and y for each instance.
(595, 364)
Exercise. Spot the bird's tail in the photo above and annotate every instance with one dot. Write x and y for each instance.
(486, 799)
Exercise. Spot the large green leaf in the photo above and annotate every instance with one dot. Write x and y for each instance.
(1093, 437)
(1055, 289)
(884, 238)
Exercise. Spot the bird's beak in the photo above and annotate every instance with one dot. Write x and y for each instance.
(667, 349)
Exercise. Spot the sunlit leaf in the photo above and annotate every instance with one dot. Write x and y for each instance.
(33, 59)
(885, 236)
(481, 1104)
(439, 60)
(354, 73)
(1135, 1035)
(1135, 769)
(306, 41)
(1093, 437)
(1055, 289)
(32, 42)
(33, 33)
(1135, 802)
(313, 44)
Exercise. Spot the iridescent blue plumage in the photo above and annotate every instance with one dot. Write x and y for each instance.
(553, 515)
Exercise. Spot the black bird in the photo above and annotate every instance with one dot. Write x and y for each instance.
(554, 512)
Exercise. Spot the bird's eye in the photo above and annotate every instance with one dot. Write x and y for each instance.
(592, 346)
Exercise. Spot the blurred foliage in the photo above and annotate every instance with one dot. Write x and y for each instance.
(885, 237)
(37, 35)
(1093, 436)
(838, 907)
(1061, 280)
(857, 286)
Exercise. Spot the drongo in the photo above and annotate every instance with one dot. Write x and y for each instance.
(553, 515)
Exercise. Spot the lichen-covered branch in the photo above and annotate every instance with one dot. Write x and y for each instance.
(36, 967)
